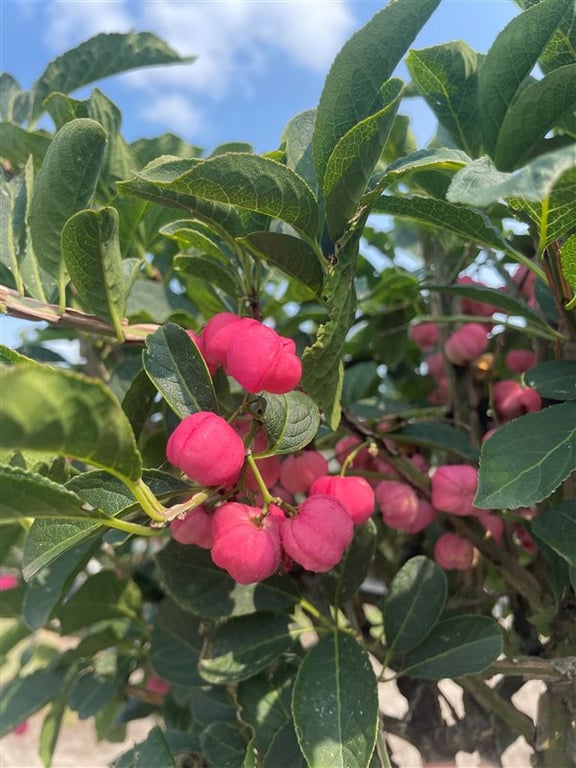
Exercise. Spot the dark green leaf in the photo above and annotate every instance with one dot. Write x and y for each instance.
(211, 704)
(18, 144)
(210, 269)
(51, 728)
(101, 597)
(510, 60)
(264, 702)
(65, 184)
(138, 402)
(9, 92)
(154, 751)
(189, 233)
(224, 745)
(48, 539)
(175, 365)
(244, 646)
(554, 379)
(351, 91)
(335, 704)
(447, 78)
(92, 691)
(414, 603)
(291, 421)
(91, 251)
(437, 435)
(25, 495)
(23, 696)
(11, 633)
(198, 586)
(557, 528)
(527, 459)
(49, 409)
(284, 751)
(295, 257)
(341, 583)
(99, 57)
(462, 645)
(538, 108)
(175, 645)
(354, 158)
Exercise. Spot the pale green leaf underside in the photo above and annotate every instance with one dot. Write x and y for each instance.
(527, 459)
(291, 422)
(568, 261)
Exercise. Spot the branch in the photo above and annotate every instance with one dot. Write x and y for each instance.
(25, 308)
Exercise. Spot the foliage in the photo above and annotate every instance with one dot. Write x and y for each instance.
(129, 250)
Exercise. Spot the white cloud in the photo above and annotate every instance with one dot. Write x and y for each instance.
(174, 112)
(70, 23)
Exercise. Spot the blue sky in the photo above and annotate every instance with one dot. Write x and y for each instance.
(259, 61)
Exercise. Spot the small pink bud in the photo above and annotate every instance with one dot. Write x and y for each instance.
(419, 461)
(452, 552)
(520, 360)
(298, 471)
(525, 539)
(440, 395)
(245, 546)
(425, 335)
(493, 525)
(216, 337)
(425, 515)
(354, 493)
(436, 365)
(206, 448)
(194, 528)
(262, 360)
(20, 729)
(511, 399)
(466, 344)
(8, 581)
(397, 503)
(157, 685)
(319, 533)
(453, 489)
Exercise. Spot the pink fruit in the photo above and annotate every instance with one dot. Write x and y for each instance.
(452, 552)
(471, 306)
(8, 581)
(318, 534)
(20, 729)
(298, 471)
(511, 399)
(247, 547)
(269, 467)
(425, 335)
(453, 489)
(157, 685)
(206, 448)
(520, 360)
(425, 515)
(354, 493)
(262, 360)
(216, 336)
(397, 503)
(436, 365)
(493, 525)
(466, 344)
(194, 528)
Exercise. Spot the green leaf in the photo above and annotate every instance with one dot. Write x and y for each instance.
(9, 92)
(101, 597)
(447, 77)
(243, 646)
(461, 645)
(295, 257)
(18, 144)
(284, 751)
(224, 745)
(343, 582)
(354, 158)
(213, 271)
(473, 225)
(557, 528)
(91, 251)
(527, 459)
(335, 704)
(11, 633)
(198, 586)
(48, 587)
(568, 264)
(510, 60)
(189, 233)
(51, 728)
(49, 539)
(91, 692)
(539, 107)
(494, 297)
(554, 379)
(64, 184)
(23, 696)
(49, 409)
(175, 645)
(97, 58)
(178, 371)
(211, 704)
(414, 603)
(431, 434)
(154, 751)
(351, 91)
(26, 495)
(481, 184)
(291, 422)
(297, 139)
